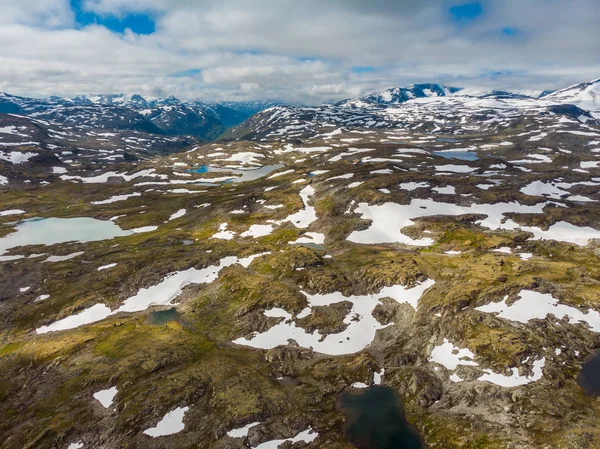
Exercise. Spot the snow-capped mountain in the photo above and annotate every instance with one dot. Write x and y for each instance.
(168, 116)
(422, 107)
(397, 95)
(584, 95)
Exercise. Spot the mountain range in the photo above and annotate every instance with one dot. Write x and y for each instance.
(422, 107)
(206, 121)
(166, 116)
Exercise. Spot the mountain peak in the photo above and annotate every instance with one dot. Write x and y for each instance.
(584, 95)
(397, 95)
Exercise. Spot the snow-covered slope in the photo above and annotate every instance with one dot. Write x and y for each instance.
(422, 107)
(584, 95)
(397, 95)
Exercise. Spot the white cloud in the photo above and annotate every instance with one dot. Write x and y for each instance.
(47, 13)
(298, 51)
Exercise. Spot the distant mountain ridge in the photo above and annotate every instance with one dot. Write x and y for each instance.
(398, 95)
(423, 107)
(167, 116)
(585, 95)
(171, 116)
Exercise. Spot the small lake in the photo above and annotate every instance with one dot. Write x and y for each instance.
(51, 231)
(589, 376)
(462, 155)
(162, 317)
(316, 246)
(375, 420)
(446, 139)
(240, 175)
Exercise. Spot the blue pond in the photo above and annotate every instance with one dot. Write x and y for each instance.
(462, 155)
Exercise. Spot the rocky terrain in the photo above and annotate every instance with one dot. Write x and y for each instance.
(160, 292)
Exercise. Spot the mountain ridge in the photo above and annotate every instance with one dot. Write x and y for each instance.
(169, 115)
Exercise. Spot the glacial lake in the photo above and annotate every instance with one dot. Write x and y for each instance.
(162, 317)
(240, 175)
(375, 420)
(51, 231)
(589, 376)
(462, 155)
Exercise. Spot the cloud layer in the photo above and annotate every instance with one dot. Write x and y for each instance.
(308, 51)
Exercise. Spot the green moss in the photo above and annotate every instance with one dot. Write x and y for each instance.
(11, 348)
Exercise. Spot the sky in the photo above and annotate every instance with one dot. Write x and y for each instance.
(303, 51)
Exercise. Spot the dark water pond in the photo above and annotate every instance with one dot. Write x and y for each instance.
(375, 420)
(162, 317)
(589, 376)
(462, 155)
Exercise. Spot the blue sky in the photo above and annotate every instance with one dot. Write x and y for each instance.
(138, 23)
(309, 51)
(466, 12)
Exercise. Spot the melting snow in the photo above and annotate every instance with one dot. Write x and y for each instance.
(388, 219)
(447, 190)
(303, 218)
(106, 397)
(361, 329)
(5, 213)
(180, 213)
(277, 175)
(242, 431)
(307, 436)
(171, 423)
(223, 233)
(410, 186)
(455, 168)
(344, 176)
(104, 177)
(258, 230)
(106, 267)
(115, 198)
(162, 293)
(63, 258)
(533, 305)
(450, 356)
(144, 229)
(514, 380)
(15, 157)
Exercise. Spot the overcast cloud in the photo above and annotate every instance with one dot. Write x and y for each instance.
(305, 51)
